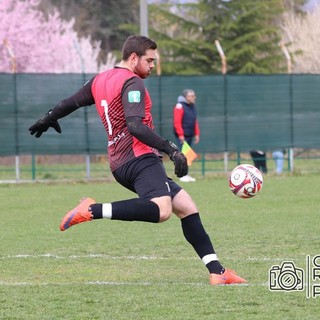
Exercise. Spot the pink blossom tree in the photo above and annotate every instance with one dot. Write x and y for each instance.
(44, 44)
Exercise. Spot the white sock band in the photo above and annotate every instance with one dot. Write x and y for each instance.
(107, 210)
(209, 257)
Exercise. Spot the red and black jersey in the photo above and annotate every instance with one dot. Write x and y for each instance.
(118, 94)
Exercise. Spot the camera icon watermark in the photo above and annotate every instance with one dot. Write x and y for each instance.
(288, 277)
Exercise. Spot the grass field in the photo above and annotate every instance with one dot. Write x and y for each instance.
(120, 270)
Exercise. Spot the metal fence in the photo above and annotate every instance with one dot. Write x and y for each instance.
(236, 113)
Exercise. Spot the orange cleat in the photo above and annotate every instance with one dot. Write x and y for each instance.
(77, 215)
(228, 277)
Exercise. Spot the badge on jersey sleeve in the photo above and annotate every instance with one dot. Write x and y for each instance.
(134, 96)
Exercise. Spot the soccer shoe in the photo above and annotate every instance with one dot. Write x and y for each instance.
(228, 277)
(77, 215)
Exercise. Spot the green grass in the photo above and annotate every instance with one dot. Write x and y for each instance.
(119, 270)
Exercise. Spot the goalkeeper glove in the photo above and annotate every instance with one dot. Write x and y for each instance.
(180, 163)
(43, 124)
(178, 158)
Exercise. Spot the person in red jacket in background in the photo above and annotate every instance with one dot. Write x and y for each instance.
(185, 123)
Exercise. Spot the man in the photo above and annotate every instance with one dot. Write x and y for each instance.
(185, 123)
(259, 160)
(278, 157)
(124, 106)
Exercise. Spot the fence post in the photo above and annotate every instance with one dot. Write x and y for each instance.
(203, 164)
(14, 73)
(238, 157)
(33, 166)
(88, 171)
(159, 72)
(86, 127)
(224, 73)
(291, 123)
(289, 70)
(290, 160)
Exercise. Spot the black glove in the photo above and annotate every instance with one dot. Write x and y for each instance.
(44, 124)
(180, 163)
(179, 159)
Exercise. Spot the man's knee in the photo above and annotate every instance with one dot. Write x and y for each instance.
(165, 215)
(165, 207)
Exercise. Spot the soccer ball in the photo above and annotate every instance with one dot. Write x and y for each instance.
(245, 181)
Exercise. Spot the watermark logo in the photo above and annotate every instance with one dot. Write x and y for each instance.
(288, 277)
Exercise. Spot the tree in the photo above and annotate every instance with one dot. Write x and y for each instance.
(108, 21)
(301, 34)
(249, 31)
(179, 33)
(43, 44)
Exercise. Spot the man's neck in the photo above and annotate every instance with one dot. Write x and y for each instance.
(125, 65)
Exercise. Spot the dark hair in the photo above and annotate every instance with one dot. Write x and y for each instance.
(138, 45)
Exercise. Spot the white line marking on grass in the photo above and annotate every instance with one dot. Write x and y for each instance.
(105, 256)
(115, 283)
(93, 255)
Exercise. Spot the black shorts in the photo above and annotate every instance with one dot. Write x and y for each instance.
(147, 177)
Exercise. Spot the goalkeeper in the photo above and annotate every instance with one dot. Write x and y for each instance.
(124, 106)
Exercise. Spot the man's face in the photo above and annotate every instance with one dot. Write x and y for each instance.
(145, 64)
(191, 97)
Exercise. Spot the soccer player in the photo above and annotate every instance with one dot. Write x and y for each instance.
(124, 106)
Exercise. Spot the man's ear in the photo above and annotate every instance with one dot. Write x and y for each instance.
(134, 59)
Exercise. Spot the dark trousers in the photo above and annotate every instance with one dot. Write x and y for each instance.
(259, 160)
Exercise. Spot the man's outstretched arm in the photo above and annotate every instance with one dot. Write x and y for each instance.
(81, 98)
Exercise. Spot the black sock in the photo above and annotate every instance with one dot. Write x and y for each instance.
(196, 235)
(96, 210)
(130, 210)
(215, 267)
